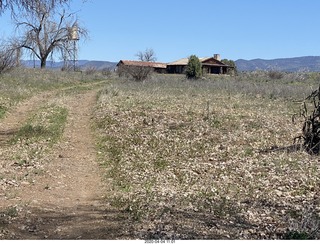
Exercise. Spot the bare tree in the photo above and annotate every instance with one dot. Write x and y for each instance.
(9, 57)
(26, 4)
(147, 56)
(45, 31)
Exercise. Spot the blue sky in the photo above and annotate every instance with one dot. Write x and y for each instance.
(174, 29)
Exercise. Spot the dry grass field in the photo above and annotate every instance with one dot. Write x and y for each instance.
(21, 84)
(177, 158)
(185, 158)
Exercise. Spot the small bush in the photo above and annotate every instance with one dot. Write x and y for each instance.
(90, 71)
(106, 72)
(275, 75)
(138, 73)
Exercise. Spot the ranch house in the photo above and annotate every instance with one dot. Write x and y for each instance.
(210, 65)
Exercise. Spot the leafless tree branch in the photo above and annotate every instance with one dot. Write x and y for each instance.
(147, 56)
(45, 31)
(14, 5)
(9, 57)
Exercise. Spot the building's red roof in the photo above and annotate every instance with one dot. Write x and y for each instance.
(142, 63)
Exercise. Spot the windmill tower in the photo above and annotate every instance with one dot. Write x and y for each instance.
(74, 38)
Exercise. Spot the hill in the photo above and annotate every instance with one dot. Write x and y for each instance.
(307, 63)
(82, 64)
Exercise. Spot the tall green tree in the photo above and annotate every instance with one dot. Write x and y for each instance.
(194, 69)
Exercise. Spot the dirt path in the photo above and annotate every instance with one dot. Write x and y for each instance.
(67, 202)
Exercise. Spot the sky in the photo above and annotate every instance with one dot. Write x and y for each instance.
(174, 29)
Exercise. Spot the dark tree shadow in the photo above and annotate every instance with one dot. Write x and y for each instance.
(83, 222)
(96, 223)
(283, 222)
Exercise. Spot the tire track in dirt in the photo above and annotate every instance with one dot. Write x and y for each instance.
(9, 125)
(67, 202)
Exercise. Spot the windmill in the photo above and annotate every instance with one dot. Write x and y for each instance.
(74, 38)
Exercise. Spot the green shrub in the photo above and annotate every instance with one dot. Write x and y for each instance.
(193, 70)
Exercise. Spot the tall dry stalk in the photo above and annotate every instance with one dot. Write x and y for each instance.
(311, 127)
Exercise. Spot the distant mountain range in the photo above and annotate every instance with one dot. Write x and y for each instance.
(308, 63)
(81, 64)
